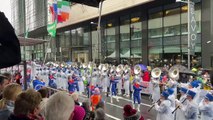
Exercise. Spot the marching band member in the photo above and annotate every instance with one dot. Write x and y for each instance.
(81, 84)
(137, 87)
(179, 113)
(113, 82)
(126, 78)
(37, 83)
(75, 78)
(171, 98)
(156, 89)
(119, 84)
(105, 82)
(173, 84)
(194, 86)
(163, 109)
(190, 110)
(52, 79)
(206, 108)
(71, 85)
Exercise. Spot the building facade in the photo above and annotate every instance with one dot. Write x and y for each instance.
(153, 32)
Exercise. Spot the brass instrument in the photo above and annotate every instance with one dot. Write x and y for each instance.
(119, 68)
(137, 69)
(126, 68)
(178, 106)
(85, 65)
(92, 65)
(153, 105)
(174, 73)
(156, 72)
(105, 67)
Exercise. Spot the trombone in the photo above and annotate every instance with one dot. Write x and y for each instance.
(178, 106)
(153, 105)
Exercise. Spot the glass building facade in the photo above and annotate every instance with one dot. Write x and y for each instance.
(154, 34)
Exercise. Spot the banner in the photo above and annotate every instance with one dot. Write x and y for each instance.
(193, 28)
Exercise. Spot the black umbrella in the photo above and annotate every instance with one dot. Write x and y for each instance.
(93, 3)
(9, 44)
(184, 70)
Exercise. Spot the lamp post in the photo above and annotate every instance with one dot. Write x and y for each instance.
(188, 2)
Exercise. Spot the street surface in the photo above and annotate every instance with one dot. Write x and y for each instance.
(114, 111)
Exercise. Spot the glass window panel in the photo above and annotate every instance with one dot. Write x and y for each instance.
(110, 39)
(184, 39)
(94, 45)
(155, 42)
(74, 38)
(86, 38)
(125, 53)
(124, 44)
(155, 25)
(172, 22)
(155, 50)
(67, 38)
(171, 49)
(136, 52)
(172, 40)
(80, 32)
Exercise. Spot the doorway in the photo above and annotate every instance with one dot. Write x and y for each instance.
(80, 56)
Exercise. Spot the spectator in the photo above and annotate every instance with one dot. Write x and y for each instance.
(3, 83)
(59, 107)
(44, 95)
(100, 114)
(8, 77)
(10, 93)
(131, 114)
(89, 113)
(100, 105)
(75, 98)
(78, 113)
(27, 106)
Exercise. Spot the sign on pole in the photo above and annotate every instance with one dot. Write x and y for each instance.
(193, 28)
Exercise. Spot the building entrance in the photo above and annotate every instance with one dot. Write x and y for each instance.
(80, 56)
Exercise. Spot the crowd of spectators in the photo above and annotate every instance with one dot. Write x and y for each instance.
(18, 104)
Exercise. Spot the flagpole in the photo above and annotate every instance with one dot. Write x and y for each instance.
(48, 46)
(99, 30)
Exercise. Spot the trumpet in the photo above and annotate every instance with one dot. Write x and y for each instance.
(178, 106)
(153, 105)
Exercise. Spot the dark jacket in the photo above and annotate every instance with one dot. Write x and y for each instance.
(13, 117)
(24, 117)
(5, 112)
(134, 117)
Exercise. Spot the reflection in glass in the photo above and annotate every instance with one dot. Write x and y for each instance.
(125, 37)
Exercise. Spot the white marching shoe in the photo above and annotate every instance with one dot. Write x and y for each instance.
(117, 99)
(133, 106)
(138, 107)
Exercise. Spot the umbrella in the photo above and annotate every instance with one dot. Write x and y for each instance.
(184, 70)
(93, 3)
(143, 67)
(9, 45)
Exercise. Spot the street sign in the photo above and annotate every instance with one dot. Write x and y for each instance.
(193, 28)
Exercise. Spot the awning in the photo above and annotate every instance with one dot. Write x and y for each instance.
(30, 41)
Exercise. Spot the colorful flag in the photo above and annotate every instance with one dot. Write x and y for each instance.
(51, 28)
(63, 10)
(59, 12)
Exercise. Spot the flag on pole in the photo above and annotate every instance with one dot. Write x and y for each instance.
(26, 34)
(58, 12)
(63, 10)
(51, 28)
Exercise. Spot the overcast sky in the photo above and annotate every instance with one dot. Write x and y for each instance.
(5, 7)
